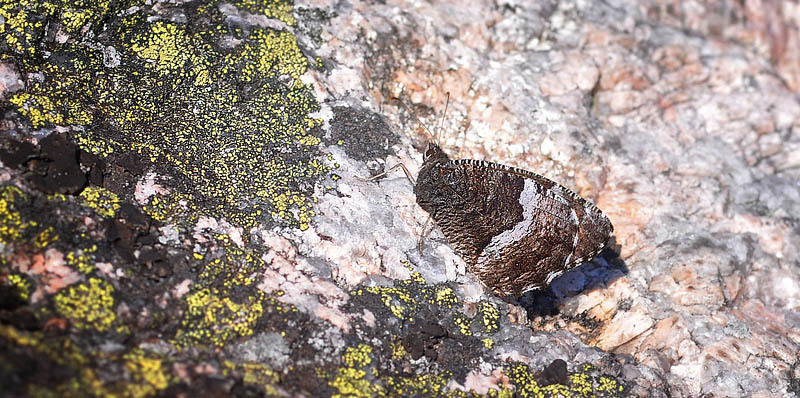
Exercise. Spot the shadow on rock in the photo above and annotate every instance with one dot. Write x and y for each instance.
(602, 271)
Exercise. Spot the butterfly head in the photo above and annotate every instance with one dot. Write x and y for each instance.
(433, 152)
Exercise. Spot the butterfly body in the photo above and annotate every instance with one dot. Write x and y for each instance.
(516, 230)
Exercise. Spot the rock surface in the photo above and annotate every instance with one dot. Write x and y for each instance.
(182, 210)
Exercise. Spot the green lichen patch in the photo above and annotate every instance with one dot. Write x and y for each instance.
(168, 49)
(463, 324)
(426, 385)
(45, 238)
(95, 143)
(59, 99)
(212, 318)
(31, 227)
(410, 295)
(51, 256)
(215, 317)
(26, 21)
(230, 127)
(236, 268)
(356, 379)
(223, 305)
(433, 325)
(226, 304)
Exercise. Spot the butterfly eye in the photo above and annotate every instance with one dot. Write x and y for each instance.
(430, 151)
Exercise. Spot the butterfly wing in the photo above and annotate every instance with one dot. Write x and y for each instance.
(516, 230)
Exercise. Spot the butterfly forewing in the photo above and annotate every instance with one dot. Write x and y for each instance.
(516, 230)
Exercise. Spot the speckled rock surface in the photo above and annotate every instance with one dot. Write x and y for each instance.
(182, 213)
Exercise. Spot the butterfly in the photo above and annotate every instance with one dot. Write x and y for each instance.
(516, 230)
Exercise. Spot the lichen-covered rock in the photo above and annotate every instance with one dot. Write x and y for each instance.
(183, 213)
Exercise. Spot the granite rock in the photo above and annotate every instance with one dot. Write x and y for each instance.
(216, 234)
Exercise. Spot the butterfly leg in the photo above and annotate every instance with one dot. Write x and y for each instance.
(391, 169)
(413, 182)
(423, 234)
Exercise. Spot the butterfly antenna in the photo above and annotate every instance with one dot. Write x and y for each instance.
(468, 123)
(408, 109)
(441, 122)
(463, 138)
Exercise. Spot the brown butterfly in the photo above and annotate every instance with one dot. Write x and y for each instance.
(516, 230)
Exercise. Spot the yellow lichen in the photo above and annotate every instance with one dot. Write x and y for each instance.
(45, 238)
(223, 144)
(88, 305)
(19, 337)
(399, 301)
(350, 380)
(81, 259)
(272, 53)
(24, 24)
(445, 297)
(463, 323)
(423, 385)
(103, 201)
(358, 356)
(42, 111)
(525, 381)
(22, 285)
(350, 383)
(148, 374)
(490, 316)
(417, 277)
(398, 351)
(11, 223)
(94, 143)
(227, 127)
(254, 374)
(215, 319)
(169, 208)
(170, 48)
(610, 385)
(277, 9)
(581, 383)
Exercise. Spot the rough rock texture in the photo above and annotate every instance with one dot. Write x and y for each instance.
(182, 213)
